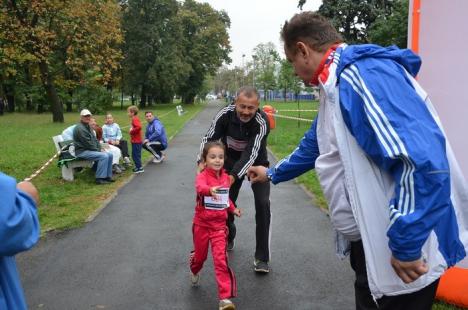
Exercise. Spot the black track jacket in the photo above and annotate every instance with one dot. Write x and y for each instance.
(245, 142)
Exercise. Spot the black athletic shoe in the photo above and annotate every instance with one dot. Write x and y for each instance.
(261, 266)
(231, 245)
(110, 180)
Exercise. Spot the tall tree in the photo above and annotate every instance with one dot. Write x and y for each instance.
(382, 22)
(58, 37)
(266, 60)
(206, 44)
(353, 17)
(392, 28)
(154, 62)
(287, 80)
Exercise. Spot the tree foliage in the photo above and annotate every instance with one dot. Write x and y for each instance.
(206, 45)
(382, 22)
(393, 28)
(287, 80)
(266, 58)
(154, 63)
(171, 48)
(56, 43)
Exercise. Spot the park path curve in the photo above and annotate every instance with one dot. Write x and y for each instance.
(134, 255)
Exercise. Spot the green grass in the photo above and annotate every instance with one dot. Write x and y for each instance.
(287, 134)
(27, 144)
(284, 139)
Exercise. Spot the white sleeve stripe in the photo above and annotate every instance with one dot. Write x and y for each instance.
(405, 198)
(210, 131)
(407, 184)
(403, 201)
(380, 123)
(257, 144)
(406, 181)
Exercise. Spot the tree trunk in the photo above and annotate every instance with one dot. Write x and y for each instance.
(29, 83)
(188, 99)
(69, 102)
(55, 103)
(143, 97)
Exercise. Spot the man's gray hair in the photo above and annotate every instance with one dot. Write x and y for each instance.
(248, 91)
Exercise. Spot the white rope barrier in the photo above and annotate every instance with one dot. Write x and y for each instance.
(297, 110)
(38, 171)
(291, 117)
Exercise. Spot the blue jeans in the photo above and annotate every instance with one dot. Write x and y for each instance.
(104, 162)
(136, 154)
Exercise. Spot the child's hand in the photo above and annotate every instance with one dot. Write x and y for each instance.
(237, 212)
(214, 191)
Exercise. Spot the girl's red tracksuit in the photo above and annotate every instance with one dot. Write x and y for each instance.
(209, 226)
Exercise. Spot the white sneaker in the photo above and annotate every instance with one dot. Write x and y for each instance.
(226, 304)
(195, 279)
(160, 160)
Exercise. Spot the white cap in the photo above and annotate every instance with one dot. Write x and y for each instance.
(85, 112)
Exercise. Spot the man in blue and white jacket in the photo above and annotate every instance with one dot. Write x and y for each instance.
(155, 137)
(394, 189)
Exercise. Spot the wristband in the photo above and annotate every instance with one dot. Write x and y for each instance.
(269, 175)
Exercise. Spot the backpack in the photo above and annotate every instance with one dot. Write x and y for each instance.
(67, 152)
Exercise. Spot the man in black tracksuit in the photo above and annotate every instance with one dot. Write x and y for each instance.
(244, 129)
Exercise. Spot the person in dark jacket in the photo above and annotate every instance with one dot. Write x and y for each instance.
(88, 147)
(244, 129)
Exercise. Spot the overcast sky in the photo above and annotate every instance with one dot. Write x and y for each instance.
(257, 21)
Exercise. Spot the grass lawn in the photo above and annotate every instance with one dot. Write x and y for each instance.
(27, 144)
(286, 136)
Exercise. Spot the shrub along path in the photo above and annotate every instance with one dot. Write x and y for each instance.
(134, 255)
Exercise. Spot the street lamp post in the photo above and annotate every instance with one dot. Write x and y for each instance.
(254, 57)
(243, 69)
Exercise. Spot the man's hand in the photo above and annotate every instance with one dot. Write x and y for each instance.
(409, 271)
(30, 189)
(257, 174)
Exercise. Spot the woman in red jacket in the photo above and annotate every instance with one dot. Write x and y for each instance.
(209, 223)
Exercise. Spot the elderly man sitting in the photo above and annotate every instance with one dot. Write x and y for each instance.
(88, 147)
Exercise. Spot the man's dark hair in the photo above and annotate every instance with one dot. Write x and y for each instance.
(149, 112)
(248, 91)
(310, 28)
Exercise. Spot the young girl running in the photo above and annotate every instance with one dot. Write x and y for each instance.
(209, 223)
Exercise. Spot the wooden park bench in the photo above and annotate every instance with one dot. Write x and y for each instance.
(68, 166)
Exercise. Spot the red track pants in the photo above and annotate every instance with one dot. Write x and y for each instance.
(202, 236)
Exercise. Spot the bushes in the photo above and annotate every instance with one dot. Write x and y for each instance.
(97, 99)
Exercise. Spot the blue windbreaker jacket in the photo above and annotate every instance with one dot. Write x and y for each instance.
(393, 126)
(19, 231)
(155, 132)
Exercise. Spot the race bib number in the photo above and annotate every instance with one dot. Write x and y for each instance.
(219, 202)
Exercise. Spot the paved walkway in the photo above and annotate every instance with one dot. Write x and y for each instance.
(134, 255)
